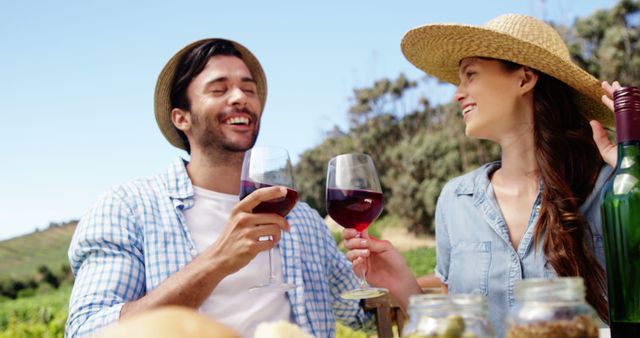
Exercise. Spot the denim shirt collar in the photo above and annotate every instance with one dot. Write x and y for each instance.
(479, 181)
(478, 185)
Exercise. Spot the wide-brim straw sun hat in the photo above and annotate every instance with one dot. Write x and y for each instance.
(162, 97)
(437, 49)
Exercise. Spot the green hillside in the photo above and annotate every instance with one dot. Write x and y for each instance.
(20, 257)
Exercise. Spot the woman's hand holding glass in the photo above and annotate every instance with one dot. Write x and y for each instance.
(384, 265)
(355, 200)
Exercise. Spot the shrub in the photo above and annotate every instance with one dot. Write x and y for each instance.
(25, 293)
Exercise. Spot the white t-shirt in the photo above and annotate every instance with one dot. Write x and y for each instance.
(231, 302)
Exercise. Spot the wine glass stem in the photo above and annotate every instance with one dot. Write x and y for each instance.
(363, 271)
(272, 276)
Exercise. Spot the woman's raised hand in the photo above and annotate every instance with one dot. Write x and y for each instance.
(608, 150)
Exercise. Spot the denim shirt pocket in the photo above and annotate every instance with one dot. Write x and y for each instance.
(469, 267)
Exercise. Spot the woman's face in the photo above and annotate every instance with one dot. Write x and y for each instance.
(495, 102)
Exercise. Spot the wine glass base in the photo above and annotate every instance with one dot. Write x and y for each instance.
(273, 287)
(364, 293)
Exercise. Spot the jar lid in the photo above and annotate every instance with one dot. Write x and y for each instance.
(437, 299)
(555, 289)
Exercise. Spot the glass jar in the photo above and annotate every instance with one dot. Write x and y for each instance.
(551, 308)
(448, 316)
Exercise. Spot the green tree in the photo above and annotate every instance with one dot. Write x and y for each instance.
(605, 43)
(384, 97)
(47, 276)
(11, 287)
(311, 170)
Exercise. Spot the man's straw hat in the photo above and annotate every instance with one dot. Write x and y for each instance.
(438, 49)
(162, 98)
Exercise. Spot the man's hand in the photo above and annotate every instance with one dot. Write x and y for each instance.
(246, 234)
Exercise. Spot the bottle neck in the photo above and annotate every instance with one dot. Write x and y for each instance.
(627, 125)
(627, 150)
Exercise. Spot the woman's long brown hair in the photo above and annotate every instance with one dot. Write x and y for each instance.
(569, 164)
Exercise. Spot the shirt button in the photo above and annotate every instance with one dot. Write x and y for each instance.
(194, 252)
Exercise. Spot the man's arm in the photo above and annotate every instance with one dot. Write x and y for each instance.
(109, 261)
(340, 277)
(233, 250)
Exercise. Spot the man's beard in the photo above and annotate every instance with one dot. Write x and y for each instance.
(212, 139)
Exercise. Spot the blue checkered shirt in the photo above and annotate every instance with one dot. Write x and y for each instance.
(135, 237)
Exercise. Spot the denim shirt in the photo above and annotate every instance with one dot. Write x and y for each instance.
(474, 251)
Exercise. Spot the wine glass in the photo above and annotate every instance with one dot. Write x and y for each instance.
(354, 200)
(265, 167)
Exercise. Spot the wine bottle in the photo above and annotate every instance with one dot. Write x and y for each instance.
(621, 219)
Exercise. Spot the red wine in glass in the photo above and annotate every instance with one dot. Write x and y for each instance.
(264, 167)
(354, 200)
(353, 208)
(280, 206)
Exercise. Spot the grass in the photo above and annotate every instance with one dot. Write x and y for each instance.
(20, 257)
(422, 261)
(43, 315)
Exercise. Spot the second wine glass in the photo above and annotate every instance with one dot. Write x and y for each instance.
(265, 167)
(354, 200)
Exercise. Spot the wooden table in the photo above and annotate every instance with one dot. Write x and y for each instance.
(387, 313)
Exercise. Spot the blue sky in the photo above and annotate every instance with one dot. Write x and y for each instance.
(77, 80)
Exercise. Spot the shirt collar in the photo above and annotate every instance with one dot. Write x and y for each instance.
(478, 183)
(477, 179)
(178, 182)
